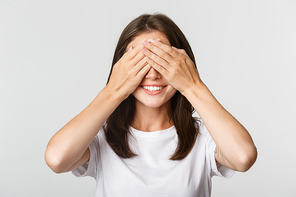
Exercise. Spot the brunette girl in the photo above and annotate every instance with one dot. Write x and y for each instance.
(138, 136)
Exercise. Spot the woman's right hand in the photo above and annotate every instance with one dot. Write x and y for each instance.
(68, 148)
(128, 72)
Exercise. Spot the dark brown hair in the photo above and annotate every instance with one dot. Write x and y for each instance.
(118, 124)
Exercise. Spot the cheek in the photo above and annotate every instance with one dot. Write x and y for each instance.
(170, 92)
(137, 91)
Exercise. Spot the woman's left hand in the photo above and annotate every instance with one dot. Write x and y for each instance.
(172, 63)
(236, 149)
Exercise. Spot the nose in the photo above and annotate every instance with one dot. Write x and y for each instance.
(153, 74)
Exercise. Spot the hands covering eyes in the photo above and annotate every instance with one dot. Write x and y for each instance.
(172, 63)
(128, 72)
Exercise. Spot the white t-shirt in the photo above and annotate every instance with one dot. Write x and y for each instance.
(152, 173)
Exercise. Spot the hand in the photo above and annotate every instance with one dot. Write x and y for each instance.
(128, 72)
(172, 63)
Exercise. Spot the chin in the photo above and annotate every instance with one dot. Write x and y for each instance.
(152, 103)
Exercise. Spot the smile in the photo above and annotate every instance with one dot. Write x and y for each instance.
(153, 88)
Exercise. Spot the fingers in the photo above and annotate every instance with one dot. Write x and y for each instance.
(161, 50)
(164, 72)
(156, 58)
(166, 48)
(132, 57)
(164, 54)
(132, 52)
(161, 56)
(130, 49)
(144, 70)
(192, 69)
(182, 51)
(142, 63)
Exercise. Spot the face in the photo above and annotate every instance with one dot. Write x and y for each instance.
(154, 91)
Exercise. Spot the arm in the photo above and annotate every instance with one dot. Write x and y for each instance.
(70, 144)
(236, 149)
(68, 148)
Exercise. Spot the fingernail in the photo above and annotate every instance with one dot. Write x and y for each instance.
(130, 49)
(153, 41)
(158, 39)
(144, 50)
(145, 43)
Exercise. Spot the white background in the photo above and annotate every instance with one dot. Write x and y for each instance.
(55, 57)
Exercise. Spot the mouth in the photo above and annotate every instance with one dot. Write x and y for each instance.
(153, 89)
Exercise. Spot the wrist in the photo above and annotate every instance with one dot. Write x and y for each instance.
(113, 94)
(201, 99)
(195, 89)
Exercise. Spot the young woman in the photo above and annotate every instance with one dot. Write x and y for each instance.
(138, 136)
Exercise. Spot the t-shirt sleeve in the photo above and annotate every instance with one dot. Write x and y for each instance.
(216, 168)
(90, 167)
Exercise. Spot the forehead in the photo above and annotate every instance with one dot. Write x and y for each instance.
(148, 35)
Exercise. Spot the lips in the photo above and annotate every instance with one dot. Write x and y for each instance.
(153, 89)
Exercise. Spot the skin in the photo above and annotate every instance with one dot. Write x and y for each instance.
(149, 61)
(235, 147)
(152, 110)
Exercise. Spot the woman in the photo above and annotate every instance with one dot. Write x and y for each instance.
(138, 136)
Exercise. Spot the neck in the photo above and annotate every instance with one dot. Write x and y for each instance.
(152, 119)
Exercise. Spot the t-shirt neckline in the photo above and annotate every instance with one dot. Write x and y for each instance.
(153, 134)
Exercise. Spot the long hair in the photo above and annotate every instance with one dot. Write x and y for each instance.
(118, 124)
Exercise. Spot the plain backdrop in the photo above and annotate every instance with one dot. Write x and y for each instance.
(55, 57)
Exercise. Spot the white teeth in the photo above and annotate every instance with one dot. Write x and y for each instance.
(153, 88)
